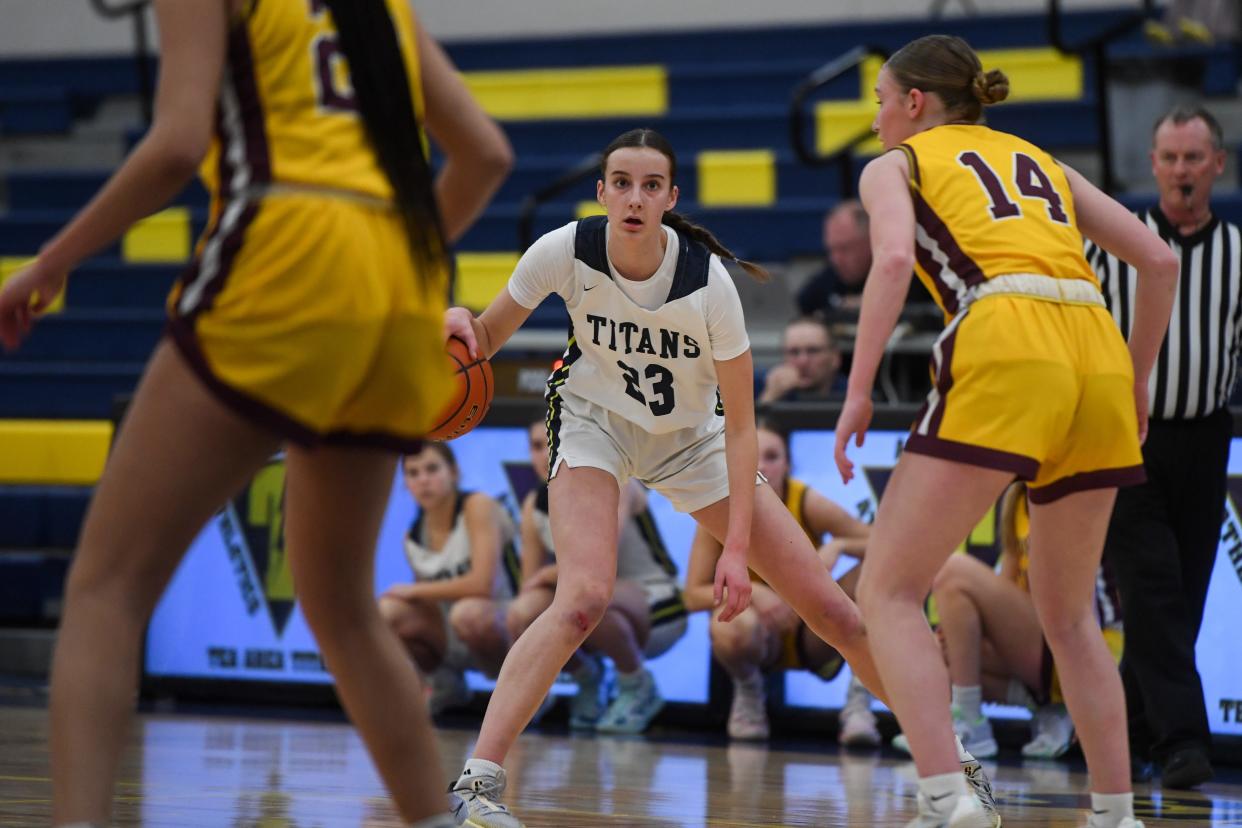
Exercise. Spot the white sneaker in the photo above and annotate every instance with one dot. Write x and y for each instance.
(634, 707)
(1126, 822)
(976, 736)
(448, 690)
(857, 722)
(1052, 733)
(476, 801)
(981, 787)
(748, 715)
(965, 813)
(589, 702)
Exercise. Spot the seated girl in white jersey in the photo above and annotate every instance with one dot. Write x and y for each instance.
(460, 547)
(768, 636)
(656, 384)
(645, 618)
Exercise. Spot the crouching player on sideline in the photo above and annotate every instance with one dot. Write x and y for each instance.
(645, 618)
(768, 635)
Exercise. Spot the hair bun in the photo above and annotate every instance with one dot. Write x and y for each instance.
(990, 87)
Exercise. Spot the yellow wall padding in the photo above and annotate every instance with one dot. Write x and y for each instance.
(587, 92)
(53, 452)
(1034, 75)
(480, 276)
(737, 178)
(163, 237)
(10, 265)
(585, 209)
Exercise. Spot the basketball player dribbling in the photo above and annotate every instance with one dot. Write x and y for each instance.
(656, 383)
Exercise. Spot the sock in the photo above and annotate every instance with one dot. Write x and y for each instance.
(963, 755)
(753, 684)
(632, 681)
(939, 790)
(1019, 696)
(587, 668)
(969, 702)
(479, 767)
(437, 821)
(1113, 808)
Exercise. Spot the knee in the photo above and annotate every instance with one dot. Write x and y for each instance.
(736, 637)
(844, 621)
(951, 580)
(583, 604)
(475, 622)
(1068, 629)
(876, 590)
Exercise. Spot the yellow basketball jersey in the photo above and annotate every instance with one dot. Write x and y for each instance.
(287, 112)
(795, 501)
(987, 203)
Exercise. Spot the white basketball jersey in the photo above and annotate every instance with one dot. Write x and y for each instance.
(653, 367)
(453, 559)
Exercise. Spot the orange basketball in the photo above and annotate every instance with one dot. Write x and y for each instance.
(471, 397)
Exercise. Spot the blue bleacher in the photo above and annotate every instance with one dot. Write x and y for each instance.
(726, 89)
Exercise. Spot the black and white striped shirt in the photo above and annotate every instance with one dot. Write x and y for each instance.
(1195, 371)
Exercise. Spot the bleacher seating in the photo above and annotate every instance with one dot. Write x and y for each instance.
(721, 98)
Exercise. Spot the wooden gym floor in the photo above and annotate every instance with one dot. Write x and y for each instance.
(188, 770)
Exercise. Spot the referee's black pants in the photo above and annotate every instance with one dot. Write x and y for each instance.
(1161, 547)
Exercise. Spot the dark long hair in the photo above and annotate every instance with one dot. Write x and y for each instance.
(656, 141)
(369, 41)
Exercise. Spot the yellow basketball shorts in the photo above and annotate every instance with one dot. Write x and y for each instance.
(1040, 388)
(304, 313)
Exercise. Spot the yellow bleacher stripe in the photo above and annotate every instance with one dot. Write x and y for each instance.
(839, 122)
(54, 452)
(163, 237)
(586, 92)
(1034, 75)
(737, 178)
(1037, 74)
(10, 265)
(480, 276)
(586, 209)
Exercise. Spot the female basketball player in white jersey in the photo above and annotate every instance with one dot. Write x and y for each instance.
(1032, 379)
(645, 618)
(460, 547)
(657, 384)
(299, 323)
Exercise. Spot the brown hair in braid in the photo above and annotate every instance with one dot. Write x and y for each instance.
(654, 140)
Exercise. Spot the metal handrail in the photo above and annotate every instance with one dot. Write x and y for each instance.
(136, 10)
(114, 12)
(813, 82)
(1096, 47)
(587, 167)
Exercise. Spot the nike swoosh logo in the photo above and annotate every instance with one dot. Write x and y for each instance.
(592, 287)
(938, 798)
(1099, 813)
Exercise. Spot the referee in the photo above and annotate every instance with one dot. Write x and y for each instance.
(1164, 533)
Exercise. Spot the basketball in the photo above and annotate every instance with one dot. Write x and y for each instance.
(471, 397)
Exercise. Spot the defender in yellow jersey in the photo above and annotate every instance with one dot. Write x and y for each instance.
(1031, 380)
(296, 188)
(310, 320)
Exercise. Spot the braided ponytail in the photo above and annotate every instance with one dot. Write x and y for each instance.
(699, 233)
(654, 140)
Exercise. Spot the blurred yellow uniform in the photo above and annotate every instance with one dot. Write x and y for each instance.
(793, 654)
(1031, 374)
(302, 307)
(1107, 607)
